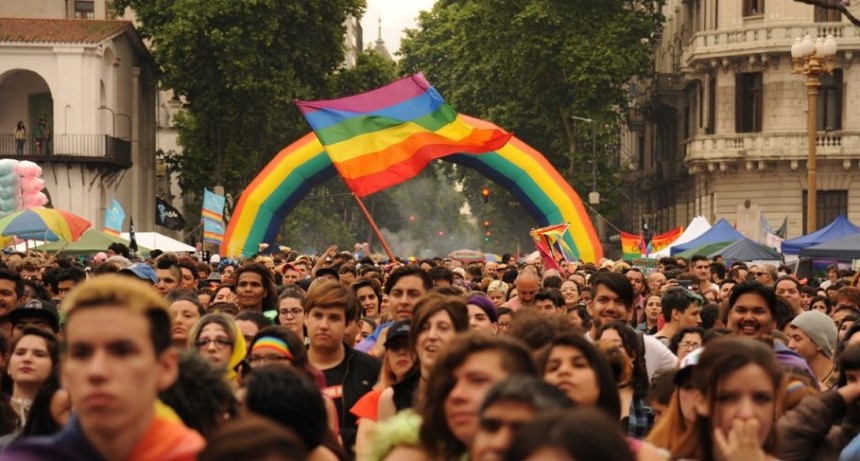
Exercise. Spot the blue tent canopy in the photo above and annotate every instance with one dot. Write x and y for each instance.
(845, 249)
(748, 250)
(840, 227)
(722, 231)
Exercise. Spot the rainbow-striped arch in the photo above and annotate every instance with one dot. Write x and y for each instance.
(303, 165)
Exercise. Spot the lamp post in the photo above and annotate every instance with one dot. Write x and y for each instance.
(812, 60)
(594, 195)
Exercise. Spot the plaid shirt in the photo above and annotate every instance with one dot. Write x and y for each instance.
(640, 420)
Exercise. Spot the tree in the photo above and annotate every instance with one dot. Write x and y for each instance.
(529, 65)
(238, 66)
(843, 6)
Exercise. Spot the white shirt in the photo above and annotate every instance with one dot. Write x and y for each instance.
(657, 356)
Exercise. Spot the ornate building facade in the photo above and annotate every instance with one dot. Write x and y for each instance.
(721, 130)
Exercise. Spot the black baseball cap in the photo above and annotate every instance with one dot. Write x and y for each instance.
(36, 308)
(400, 329)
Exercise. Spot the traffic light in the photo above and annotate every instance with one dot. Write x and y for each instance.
(487, 224)
(485, 192)
(487, 236)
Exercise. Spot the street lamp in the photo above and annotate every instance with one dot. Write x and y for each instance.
(594, 195)
(812, 59)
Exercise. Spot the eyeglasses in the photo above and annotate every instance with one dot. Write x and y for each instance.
(220, 343)
(688, 346)
(263, 359)
(295, 312)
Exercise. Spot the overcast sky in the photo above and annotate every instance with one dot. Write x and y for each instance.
(396, 15)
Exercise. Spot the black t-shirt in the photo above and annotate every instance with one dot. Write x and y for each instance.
(347, 382)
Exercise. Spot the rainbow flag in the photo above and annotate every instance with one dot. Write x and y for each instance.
(213, 205)
(213, 231)
(555, 242)
(386, 136)
(114, 217)
(632, 245)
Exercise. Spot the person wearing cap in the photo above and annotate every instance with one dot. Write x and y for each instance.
(329, 273)
(482, 314)
(290, 274)
(812, 334)
(227, 267)
(141, 271)
(397, 362)
(36, 313)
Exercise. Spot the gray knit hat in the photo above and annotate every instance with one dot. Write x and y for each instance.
(820, 329)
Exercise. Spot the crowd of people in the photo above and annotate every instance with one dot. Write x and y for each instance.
(332, 357)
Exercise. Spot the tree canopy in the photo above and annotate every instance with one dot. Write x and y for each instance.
(530, 65)
(237, 66)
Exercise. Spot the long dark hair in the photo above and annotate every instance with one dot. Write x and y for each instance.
(609, 401)
(720, 358)
(631, 345)
(6, 382)
(436, 436)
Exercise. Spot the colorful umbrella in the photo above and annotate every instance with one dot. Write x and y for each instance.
(43, 224)
(467, 255)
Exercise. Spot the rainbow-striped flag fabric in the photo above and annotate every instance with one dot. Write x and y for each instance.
(388, 135)
(213, 205)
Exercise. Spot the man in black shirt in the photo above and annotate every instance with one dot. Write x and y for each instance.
(329, 308)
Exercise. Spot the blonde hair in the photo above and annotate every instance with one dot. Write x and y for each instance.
(125, 292)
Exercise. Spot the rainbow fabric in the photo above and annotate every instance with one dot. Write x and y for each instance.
(554, 239)
(632, 244)
(517, 167)
(386, 136)
(270, 343)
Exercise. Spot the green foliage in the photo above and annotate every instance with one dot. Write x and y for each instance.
(238, 65)
(529, 65)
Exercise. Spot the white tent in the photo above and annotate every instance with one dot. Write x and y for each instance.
(698, 226)
(156, 241)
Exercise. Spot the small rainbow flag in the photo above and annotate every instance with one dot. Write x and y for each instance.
(386, 136)
(633, 244)
(213, 205)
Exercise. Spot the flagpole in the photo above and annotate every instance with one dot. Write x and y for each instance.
(375, 229)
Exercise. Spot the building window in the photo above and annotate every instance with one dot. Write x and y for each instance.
(830, 204)
(84, 9)
(712, 105)
(748, 113)
(753, 7)
(830, 101)
(828, 14)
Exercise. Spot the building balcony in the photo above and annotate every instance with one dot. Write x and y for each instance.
(97, 150)
(712, 47)
(718, 151)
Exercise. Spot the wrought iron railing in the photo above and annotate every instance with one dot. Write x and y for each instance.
(67, 145)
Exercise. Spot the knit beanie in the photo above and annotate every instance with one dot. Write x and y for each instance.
(486, 305)
(820, 329)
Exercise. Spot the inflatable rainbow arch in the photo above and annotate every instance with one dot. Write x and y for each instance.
(303, 165)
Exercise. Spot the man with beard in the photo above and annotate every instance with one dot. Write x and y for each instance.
(611, 300)
(751, 314)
